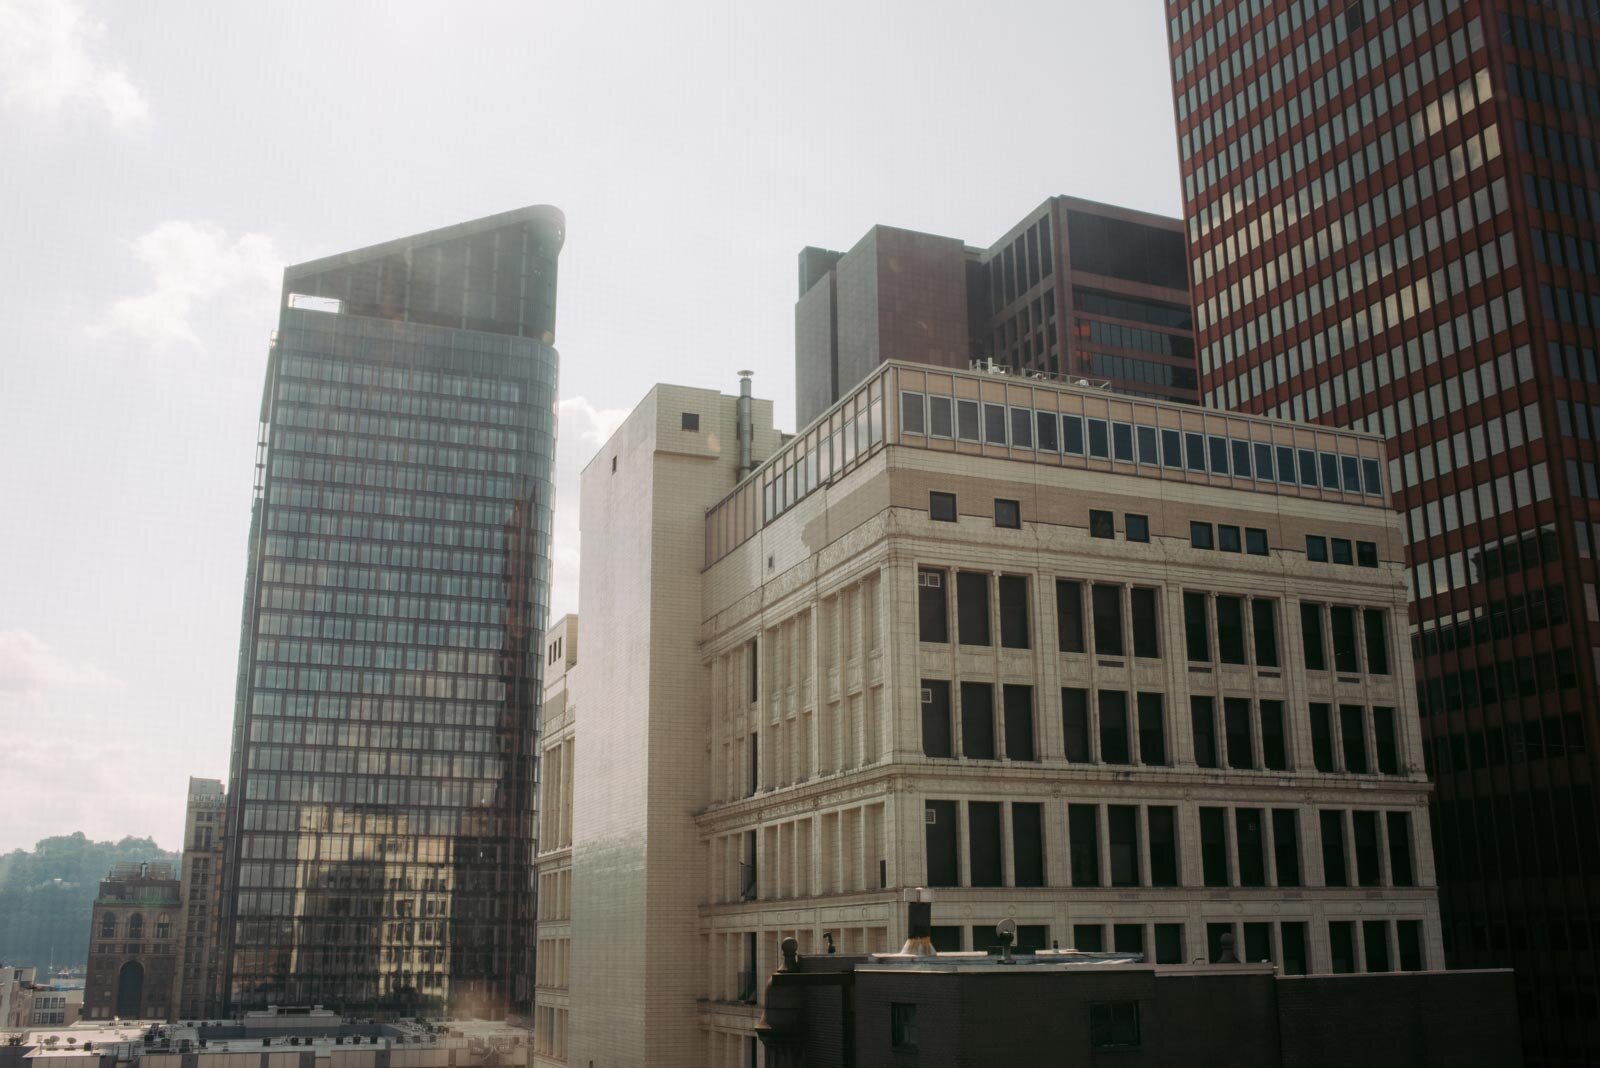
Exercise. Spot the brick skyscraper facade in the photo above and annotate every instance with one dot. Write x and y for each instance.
(1391, 209)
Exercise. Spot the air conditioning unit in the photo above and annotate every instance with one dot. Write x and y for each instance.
(931, 579)
(927, 696)
(930, 816)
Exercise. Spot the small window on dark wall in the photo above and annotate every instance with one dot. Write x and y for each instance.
(1007, 514)
(1114, 1025)
(942, 507)
(903, 1027)
(691, 421)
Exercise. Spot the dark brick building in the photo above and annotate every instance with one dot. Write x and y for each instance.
(133, 944)
(979, 1014)
(1391, 210)
(1076, 289)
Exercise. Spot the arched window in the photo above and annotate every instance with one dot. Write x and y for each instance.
(108, 925)
(135, 927)
(163, 926)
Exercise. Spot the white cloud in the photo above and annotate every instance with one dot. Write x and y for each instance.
(29, 667)
(580, 430)
(48, 60)
(190, 263)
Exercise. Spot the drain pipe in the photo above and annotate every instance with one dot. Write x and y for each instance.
(746, 428)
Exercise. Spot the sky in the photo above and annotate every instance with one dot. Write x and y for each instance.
(160, 163)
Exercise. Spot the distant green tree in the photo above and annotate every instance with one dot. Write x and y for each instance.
(47, 896)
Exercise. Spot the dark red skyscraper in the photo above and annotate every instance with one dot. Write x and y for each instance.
(1391, 211)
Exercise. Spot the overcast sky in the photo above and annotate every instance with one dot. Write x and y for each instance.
(160, 162)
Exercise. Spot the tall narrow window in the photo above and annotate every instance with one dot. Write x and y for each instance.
(1322, 736)
(1202, 718)
(1195, 629)
(1372, 620)
(1334, 870)
(936, 736)
(1369, 868)
(1230, 630)
(1107, 620)
(1122, 823)
(977, 720)
(972, 607)
(1408, 933)
(1069, 616)
(1345, 656)
(943, 843)
(1353, 738)
(983, 842)
(1400, 870)
(1286, 845)
(1075, 724)
(1264, 617)
(1169, 943)
(1163, 821)
(1236, 716)
(933, 619)
(1292, 937)
(1252, 840)
(1013, 612)
(1019, 722)
(754, 660)
(1146, 630)
(1383, 737)
(1082, 827)
(1214, 845)
(1342, 946)
(1114, 727)
(1152, 730)
(1375, 939)
(1311, 634)
(1027, 843)
(1274, 754)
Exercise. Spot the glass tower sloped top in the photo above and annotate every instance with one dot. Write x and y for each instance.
(383, 771)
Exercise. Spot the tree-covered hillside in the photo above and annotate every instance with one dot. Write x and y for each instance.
(47, 896)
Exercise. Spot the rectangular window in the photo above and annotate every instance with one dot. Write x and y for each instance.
(1099, 444)
(1114, 1025)
(1122, 825)
(1021, 428)
(1014, 612)
(1330, 470)
(1089, 937)
(1409, 934)
(1136, 527)
(1255, 541)
(1308, 468)
(1102, 525)
(1220, 943)
(1311, 636)
(977, 720)
(1083, 829)
(1383, 737)
(1292, 937)
(1169, 943)
(1342, 553)
(1286, 845)
(1203, 721)
(1148, 453)
(1350, 469)
(1214, 845)
(1377, 635)
(1048, 428)
(1200, 535)
(1163, 830)
(1228, 538)
(1195, 627)
(1018, 704)
(911, 413)
(1264, 628)
(940, 423)
(1353, 739)
(1194, 452)
(1236, 719)
(1263, 462)
(1007, 514)
(936, 735)
(1400, 870)
(943, 843)
(1241, 458)
(903, 1017)
(1274, 754)
(1146, 631)
(942, 507)
(967, 420)
(1369, 871)
(1371, 481)
(1171, 449)
(1072, 434)
(1114, 727)
(1122, 442)
(1251, 837)
(1342, 946)
(1127, 938)
(1107, 620)
(1375, 938)
(1367, 554)
(1334, 871)
(1069, 616)
(1316, 548)
(690, 421)
(1075, 724)
(1219, 455)
(1230, 630)
(983, 831)
(1285, 464)
(1152, 730)
(752, 657)
(972, 607)
(1027, 843)
(1322, 736)
(933, 621)
(994, 424)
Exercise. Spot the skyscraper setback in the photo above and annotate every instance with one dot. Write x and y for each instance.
(381, 796)
(1391, 212)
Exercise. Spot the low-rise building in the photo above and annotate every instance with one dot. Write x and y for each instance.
(133, 944)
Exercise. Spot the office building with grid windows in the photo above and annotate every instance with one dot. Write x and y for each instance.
(1391, 210)
(381, 796)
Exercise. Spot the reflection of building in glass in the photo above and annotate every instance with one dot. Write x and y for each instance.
(1076, 289)
(381, 801)
(133, 944)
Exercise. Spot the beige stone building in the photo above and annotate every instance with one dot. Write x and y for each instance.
(1129, 673)
(199, 974)
(553, 963)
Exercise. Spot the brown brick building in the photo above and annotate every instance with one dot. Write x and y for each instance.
(133, 944)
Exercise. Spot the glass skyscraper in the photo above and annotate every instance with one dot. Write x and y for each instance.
(382, 784)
